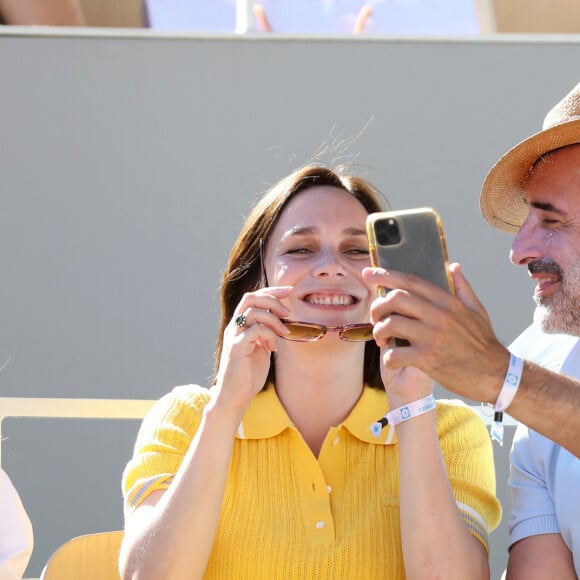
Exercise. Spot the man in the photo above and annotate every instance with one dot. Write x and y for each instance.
(534, 192)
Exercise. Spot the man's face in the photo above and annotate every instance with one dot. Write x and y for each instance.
(548, 242)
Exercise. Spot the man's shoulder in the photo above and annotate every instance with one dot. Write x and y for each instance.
(571, 364)
(556, 352)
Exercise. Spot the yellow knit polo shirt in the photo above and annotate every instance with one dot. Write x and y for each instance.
(287, 514)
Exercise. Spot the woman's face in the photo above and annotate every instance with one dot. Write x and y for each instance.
(319, 246)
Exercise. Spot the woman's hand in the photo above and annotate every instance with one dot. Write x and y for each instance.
(404, 385)
(249, 339)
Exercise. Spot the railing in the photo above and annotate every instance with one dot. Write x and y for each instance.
(109, 409)
(72, 409)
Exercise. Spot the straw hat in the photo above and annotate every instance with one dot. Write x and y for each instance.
(502, 200)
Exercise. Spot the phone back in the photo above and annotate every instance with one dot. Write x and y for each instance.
(410, 241)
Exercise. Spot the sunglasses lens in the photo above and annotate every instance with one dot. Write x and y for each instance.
(358, 332)
(303, 331)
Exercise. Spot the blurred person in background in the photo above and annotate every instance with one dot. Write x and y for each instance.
(16, 539)
(41, 13)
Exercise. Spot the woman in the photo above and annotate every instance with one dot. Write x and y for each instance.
(275, 471)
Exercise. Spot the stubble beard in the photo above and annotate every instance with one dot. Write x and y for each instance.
(560, 313)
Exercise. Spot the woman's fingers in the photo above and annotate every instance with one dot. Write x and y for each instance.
(252, 317)
(262, 308)
(266, 299)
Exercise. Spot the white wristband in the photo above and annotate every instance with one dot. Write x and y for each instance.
(411, 410)
(506, 395)
(404, 413)
(510, 384)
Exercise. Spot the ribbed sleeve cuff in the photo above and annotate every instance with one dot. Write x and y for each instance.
(534, 527)
(143, 488)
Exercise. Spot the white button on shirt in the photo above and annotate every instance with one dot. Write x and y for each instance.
(319, 525)
(336, 441)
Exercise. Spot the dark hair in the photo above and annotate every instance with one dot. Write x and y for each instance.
(243, 272)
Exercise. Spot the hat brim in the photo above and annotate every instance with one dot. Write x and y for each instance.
(502, 200)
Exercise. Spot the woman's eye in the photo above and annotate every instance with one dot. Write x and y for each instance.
(299, 251)
(358, 251)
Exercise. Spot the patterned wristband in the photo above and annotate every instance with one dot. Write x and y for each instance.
(404, 413)
(506, 396)
(411, 410)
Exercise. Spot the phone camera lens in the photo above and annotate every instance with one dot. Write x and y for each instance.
(388, 233)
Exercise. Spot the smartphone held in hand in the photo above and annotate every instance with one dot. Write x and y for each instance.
(410, 241)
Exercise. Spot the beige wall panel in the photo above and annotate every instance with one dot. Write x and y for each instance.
(128, 160)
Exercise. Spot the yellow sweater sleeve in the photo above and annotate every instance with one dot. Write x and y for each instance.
(162, 441)
(468, 454)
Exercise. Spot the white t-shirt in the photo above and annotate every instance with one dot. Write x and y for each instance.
(557, 352)
(544, 477)
(16, 540)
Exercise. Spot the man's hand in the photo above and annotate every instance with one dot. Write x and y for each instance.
(451, 337)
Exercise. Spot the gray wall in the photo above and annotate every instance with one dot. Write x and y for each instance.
(128, 163)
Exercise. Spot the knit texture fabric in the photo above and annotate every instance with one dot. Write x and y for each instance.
(287, 514)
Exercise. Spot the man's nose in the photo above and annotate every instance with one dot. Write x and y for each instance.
(527, 244)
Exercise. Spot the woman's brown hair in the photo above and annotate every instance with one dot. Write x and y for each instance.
(243, 271)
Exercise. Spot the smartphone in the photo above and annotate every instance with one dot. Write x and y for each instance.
(410, 241)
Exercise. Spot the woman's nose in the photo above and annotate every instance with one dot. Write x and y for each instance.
(329, 264)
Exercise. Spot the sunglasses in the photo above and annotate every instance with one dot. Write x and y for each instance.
(311, 331)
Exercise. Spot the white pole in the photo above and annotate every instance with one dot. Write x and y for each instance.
(243, 16)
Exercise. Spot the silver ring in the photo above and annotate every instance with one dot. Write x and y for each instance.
(241, 321)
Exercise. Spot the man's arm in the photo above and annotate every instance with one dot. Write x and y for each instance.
(540, 557)
(453, 341)
(549, 403)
